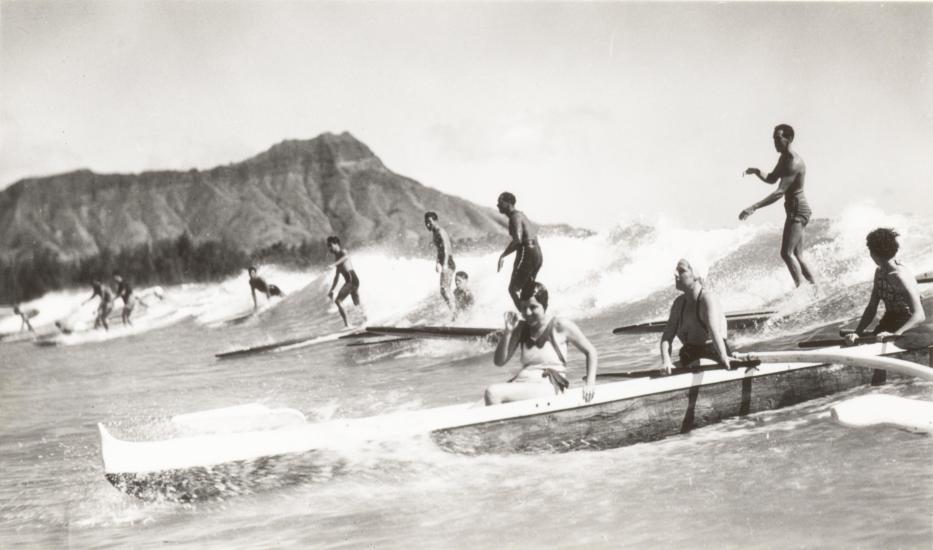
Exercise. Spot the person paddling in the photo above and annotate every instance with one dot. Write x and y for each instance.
(542, 343)
(894, 285)
(445, 260)
(697, 321)
(106, 303)
(351, 285)
(524, 243)
(791, 171)
(258, 283)
(463, 296)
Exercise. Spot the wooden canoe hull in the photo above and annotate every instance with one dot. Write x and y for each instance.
(652, 417)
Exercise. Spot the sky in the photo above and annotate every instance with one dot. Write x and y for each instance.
(593, 114)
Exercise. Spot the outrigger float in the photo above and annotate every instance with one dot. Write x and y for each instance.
(622, 413)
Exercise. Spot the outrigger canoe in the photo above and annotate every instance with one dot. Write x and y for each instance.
(621, 413)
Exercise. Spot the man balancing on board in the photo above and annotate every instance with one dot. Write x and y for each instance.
(125, 293)
(445, 260)
(697, 321)
(351, 285)
(106, 303)
(258, 283)
(792, 172)
(25, 316)
(524, 244)
(894, 285)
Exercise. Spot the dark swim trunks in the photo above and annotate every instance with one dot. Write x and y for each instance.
(692, 352)
(891, 321)
(797, 208)
(350, 288)
(528, 262)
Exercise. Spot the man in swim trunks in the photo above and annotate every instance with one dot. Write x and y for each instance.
(25, 316)
(351, 285)
(791, 171)
(524, 243)
(445, 260)
(894, 285)
(106, 303)
(258, 283)
(697, 321)
(125, 292)
(463, 298)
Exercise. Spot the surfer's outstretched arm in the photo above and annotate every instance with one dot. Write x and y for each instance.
(770, 199)
(509, 340)
(579, 340)
(253, 292)
(334, 284)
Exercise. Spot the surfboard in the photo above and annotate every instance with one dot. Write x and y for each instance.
(422, 331)
(736, 320)
(286, 345)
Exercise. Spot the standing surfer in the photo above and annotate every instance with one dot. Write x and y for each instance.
(351, 285)
(697, 321)
(894, 285)
(106, 303)
(125, 292)
(542, 343)
(524, 243)
(258, 283)
(445, 260)
(791, 171)
(25, 316)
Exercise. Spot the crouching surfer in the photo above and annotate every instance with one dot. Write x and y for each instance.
(257, 283)
(697, 321)
(542, 343)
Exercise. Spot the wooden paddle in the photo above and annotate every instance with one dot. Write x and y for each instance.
(656, 373)
(735, 320)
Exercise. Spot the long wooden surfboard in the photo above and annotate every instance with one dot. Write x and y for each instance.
(736, 320)
(284, 345)
(422, 331)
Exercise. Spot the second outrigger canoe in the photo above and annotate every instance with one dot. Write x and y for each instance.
(622, 413)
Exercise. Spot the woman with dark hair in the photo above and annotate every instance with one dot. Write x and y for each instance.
(542, 343)
(894, 285)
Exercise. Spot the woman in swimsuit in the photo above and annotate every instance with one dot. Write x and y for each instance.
(542, 343)
(894, 285)
(697, 321)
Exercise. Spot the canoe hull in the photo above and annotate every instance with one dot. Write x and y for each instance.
(652, 417)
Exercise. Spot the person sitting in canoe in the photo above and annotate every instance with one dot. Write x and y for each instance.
(463, 297)
(542, 342)
(894, 285)
(25, 316)
(106, 303)
(445, 259)
(258, 283)
(351, 285)
(697, 321)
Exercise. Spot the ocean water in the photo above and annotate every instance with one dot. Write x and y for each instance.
(783, 479)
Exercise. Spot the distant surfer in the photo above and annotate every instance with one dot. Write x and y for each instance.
(106, 303)
(894, 285)
(791, 171)
(125, 292)
(258, 283)
(524, 244)
(445, 260)
(463, 296)
(351, 285)
(697, 321)
(542, 343)
(25, 316)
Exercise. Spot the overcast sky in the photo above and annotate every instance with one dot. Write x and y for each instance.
(591, 114)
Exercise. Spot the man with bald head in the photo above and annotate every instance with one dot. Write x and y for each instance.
(697, 321)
